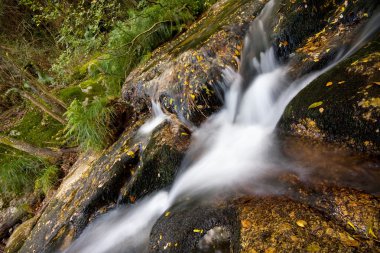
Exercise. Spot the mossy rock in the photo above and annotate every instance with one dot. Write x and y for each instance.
(185, 75)
(18, 237)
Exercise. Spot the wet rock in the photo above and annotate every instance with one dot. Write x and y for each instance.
(196, 228)
(341, 106)
(160, 160)
(185, 75)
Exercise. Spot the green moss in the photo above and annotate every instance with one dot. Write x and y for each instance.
(71, 93)
(206, 29)
(38, 129)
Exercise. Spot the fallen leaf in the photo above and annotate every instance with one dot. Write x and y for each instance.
(301, 223)
(341, 82)
(198, 231)
(348, 240)
(246, 223)
(370, 232)
(131, 153)
(321, 110)
(283, 43)
(316, 104)
(329, 84)
(351, 225)
(270, 250)
(132, 198)
(167, 214)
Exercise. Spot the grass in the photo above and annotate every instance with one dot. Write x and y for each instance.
(19, 173)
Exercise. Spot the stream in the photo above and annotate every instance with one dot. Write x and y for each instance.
(234, 146)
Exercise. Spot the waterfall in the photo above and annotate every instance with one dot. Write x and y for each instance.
(236, 144)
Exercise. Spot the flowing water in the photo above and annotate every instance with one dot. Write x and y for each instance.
(234, 146)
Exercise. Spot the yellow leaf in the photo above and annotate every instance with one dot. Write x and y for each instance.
(329, 84)
(370, 232)
(351, 225)
(167, 214)
(198, 231)
(341, 82)
(365, 15)
(192, 96)
(328, 50)
(316, 104)
(283, 43)
(378, 83)
(131, 153)
(301, 223)
(321, 110)
(184, 134)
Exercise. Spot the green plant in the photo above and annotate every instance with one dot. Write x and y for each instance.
(18, 172)
(88, 123)
(133, 40)
(47, 179)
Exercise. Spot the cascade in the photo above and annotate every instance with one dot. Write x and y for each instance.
(236, 143)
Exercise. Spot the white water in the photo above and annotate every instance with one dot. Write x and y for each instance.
(158, 117)
(233, 147)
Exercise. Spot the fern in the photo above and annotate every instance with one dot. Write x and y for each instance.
(88, 123)
(47, 179)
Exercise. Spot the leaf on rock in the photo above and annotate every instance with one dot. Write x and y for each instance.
(316, 104)
(371, 233)
(301, 223)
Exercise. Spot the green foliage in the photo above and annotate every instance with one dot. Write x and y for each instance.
(47, 180)
(19, 172)
(88, 123)
(133, 40)
(80, 26)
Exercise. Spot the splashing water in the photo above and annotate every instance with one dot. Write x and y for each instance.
(158, 117)
(232, 147)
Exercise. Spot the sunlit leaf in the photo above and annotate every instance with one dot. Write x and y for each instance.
(301, 223)
(316, 104)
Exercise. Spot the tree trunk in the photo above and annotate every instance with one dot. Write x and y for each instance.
(43, 107)
(46, 153)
